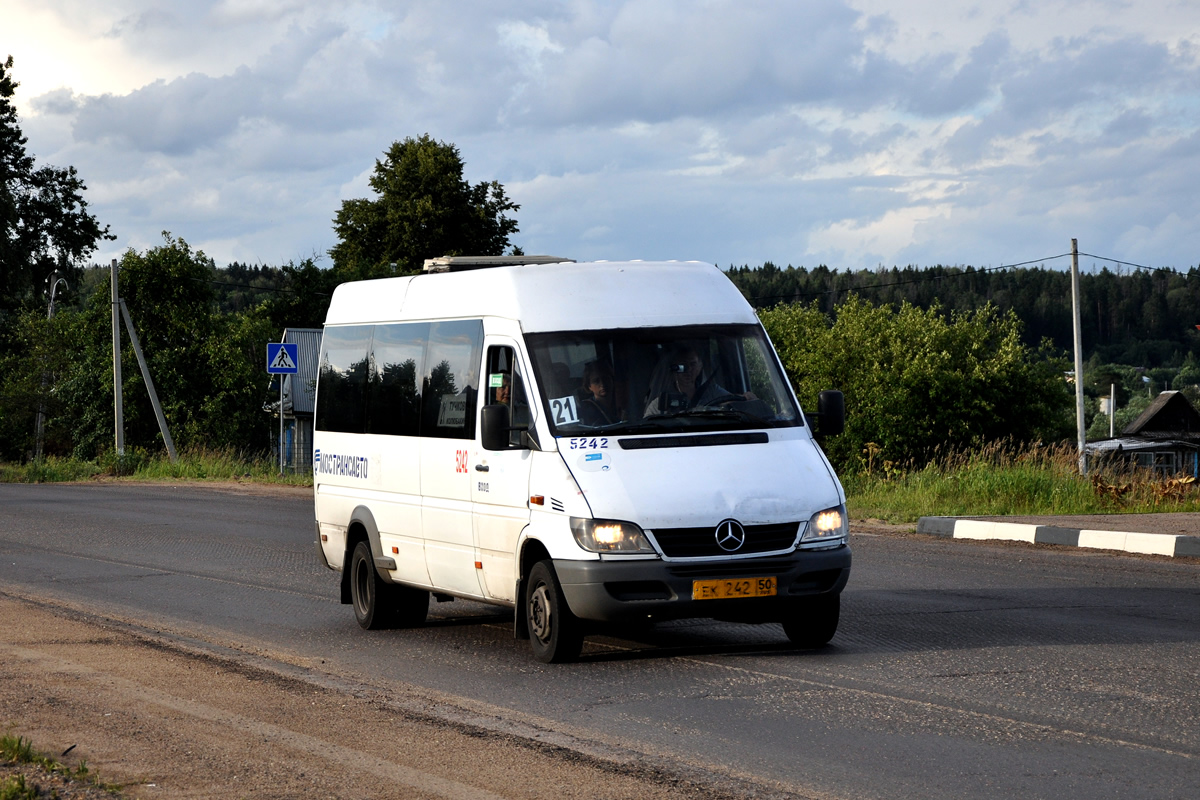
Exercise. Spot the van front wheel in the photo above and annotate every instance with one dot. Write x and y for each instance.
(814, 623)
(555, 634)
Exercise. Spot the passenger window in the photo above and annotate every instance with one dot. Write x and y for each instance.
(398, 355)
(451, 381)
(343, 379)
(506, 386)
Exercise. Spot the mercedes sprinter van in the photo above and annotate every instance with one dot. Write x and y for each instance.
(582, 442)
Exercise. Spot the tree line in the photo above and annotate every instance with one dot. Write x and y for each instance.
(928, 358)
(1143, 318)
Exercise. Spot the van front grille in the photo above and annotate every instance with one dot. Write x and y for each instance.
(702, 542)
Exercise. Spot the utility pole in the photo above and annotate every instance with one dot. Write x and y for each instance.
(116, 330)
(158, 412)
(40, 429)
(119, 309)
(1079, 428)
(1112, 410)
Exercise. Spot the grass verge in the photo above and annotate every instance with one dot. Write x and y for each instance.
(994, 480)
(136, 464)
(19, 750)
(1002, 479)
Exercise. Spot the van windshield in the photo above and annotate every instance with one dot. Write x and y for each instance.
(651, 380)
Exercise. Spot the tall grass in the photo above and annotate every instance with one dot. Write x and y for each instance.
(1006, 479)
(198, 464)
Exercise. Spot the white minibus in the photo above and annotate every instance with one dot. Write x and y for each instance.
(584, 443)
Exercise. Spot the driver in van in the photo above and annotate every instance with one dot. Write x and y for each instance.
(685, 385)
(500, 394)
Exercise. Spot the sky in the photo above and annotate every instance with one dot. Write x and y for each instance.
(850, 133)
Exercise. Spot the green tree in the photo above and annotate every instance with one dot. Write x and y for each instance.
(35, 356)
(424, 208)
(44, 221)
(303, 297)
(919, 380)
(1188, 376)
(207, 367)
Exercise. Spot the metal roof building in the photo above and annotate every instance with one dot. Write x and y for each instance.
(1165, 437)
(299, 399)
(300, 390)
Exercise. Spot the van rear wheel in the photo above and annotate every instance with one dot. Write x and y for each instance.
(378, 604)
(813, 623)
(367, 590)
(555, 634)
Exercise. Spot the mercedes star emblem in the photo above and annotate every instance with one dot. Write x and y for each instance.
(730, 535)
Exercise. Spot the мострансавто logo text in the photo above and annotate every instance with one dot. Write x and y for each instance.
(335, 464)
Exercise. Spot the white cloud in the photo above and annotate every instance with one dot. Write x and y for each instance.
(853, 132)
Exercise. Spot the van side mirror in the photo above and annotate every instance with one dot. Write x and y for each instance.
(831, 412)
(495, 424)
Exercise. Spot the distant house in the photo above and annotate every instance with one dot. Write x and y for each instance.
(299, 399)
(1165, 438)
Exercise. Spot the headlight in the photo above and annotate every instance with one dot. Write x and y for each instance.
(609, 536)
(829, 525)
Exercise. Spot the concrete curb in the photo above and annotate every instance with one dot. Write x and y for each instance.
(1126, 541)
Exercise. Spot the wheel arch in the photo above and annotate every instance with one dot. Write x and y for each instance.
(362, 527)
(532, 551)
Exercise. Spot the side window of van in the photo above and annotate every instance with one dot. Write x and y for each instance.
(394, 407)
(450, 384)
(343, 380)
(506, 386)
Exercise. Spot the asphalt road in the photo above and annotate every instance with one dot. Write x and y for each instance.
(960, 670)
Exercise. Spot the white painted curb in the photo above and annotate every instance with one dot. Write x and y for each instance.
(1124, 541)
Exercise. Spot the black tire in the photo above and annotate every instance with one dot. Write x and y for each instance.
(367, 590)
(814, 622)
(378, 604)
(555, 634)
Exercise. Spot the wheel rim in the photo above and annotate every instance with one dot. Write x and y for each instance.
(363, 586)
(540, 620)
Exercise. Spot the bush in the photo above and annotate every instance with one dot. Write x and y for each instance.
(917, 381)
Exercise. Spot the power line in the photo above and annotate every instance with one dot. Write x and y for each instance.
(259, 288)
(1136, 266)
(923, 279)
(928, 278)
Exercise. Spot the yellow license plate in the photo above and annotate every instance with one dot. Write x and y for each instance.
(739, 587)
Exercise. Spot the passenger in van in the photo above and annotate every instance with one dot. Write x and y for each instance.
(682, 384)
(599, 405)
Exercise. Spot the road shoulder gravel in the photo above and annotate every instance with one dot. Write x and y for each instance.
(163, 721)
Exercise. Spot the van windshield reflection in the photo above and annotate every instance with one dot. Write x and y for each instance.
(646, 380)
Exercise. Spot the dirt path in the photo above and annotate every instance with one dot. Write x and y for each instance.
(166, 722)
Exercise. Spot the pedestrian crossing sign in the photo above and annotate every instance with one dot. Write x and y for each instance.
(282, 358)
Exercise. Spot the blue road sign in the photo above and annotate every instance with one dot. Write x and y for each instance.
(282, 359)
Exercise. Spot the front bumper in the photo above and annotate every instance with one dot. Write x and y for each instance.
(610, 591)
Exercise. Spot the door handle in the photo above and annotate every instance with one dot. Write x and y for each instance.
(481, 467)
